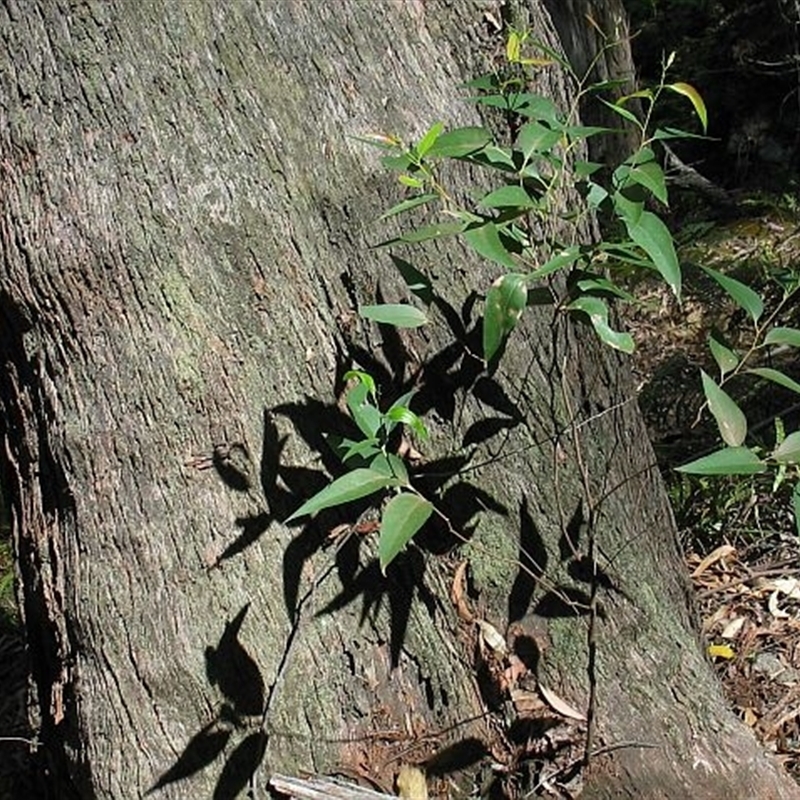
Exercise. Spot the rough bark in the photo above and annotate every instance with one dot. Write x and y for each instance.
(184, 228)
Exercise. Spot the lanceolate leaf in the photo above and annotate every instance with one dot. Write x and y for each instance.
(652, 235)
(694, 97)
(407, 417)
(731, 421)
(485, 239)
(728, 461)
(788, 452)
(509, 197)
(536, 138)
(597, 311)
(459, 143)
(403, 516)
(776, 377)
(400, 315)
(566, 258)
(407, 205)
(726, 359)
(352, 486)
(429, 139)
(742, 295)
(426, 232)
(505, 302)
(790, 336)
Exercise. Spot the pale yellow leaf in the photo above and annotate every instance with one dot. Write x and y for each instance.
(561, 706)
(732, 629)
(721, 553)
(492, 638)
(411, 784)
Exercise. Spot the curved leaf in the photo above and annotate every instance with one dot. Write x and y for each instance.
(401, 315)
(352, 486)
(403, 516)
(505, 302)
(597, 311)
(696, 100)
(731, 421)
(776, 377)
(459, 143)
(728, 461)
(790, 336)
(407, 417)
(742, 295)
(726, 358)
(788, 452)
(652, 235)
(407, 205)
(509, 197)
(486, 241)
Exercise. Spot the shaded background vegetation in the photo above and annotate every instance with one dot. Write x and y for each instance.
(744, 57)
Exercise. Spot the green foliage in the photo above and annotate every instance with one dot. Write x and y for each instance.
(374, 468)
(540, 160)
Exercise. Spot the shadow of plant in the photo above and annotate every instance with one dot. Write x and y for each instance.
(233, 671)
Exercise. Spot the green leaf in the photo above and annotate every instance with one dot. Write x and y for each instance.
(407, 180)
(505, 302)
(398, 163)
(651, 176)
(407, 205)
(789, 336)
(676, 133)
(696, 100)
(460, 142)
(741, 294)
(365, 449)
(726, 359)
(652, 235)
(536, 138)
(776, 377)
(796, 507)
(407, 417)
(390, 465)
(400, 315)
(485, 240)
(728, 461)
(583, 169)
(622, 112)
(429, 139)
(425, 233)
(509, 197)
(403, 516)
(731, 421)
(352, 486)
(597, 311)
(365, 414)
(597, 283)
(788, 452)
(362, 377)
(566, 258)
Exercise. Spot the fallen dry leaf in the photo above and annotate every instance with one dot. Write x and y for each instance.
(492, 638)
(732, 629)
(457, 592)
(724, 551)
(559, 705)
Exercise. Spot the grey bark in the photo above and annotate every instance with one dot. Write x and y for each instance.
(184, 233)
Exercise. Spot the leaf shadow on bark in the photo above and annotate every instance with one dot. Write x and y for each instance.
(235, 673)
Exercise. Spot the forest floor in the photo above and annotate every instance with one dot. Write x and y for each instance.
(741, 535)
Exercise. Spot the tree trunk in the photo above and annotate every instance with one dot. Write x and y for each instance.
(185, 225)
